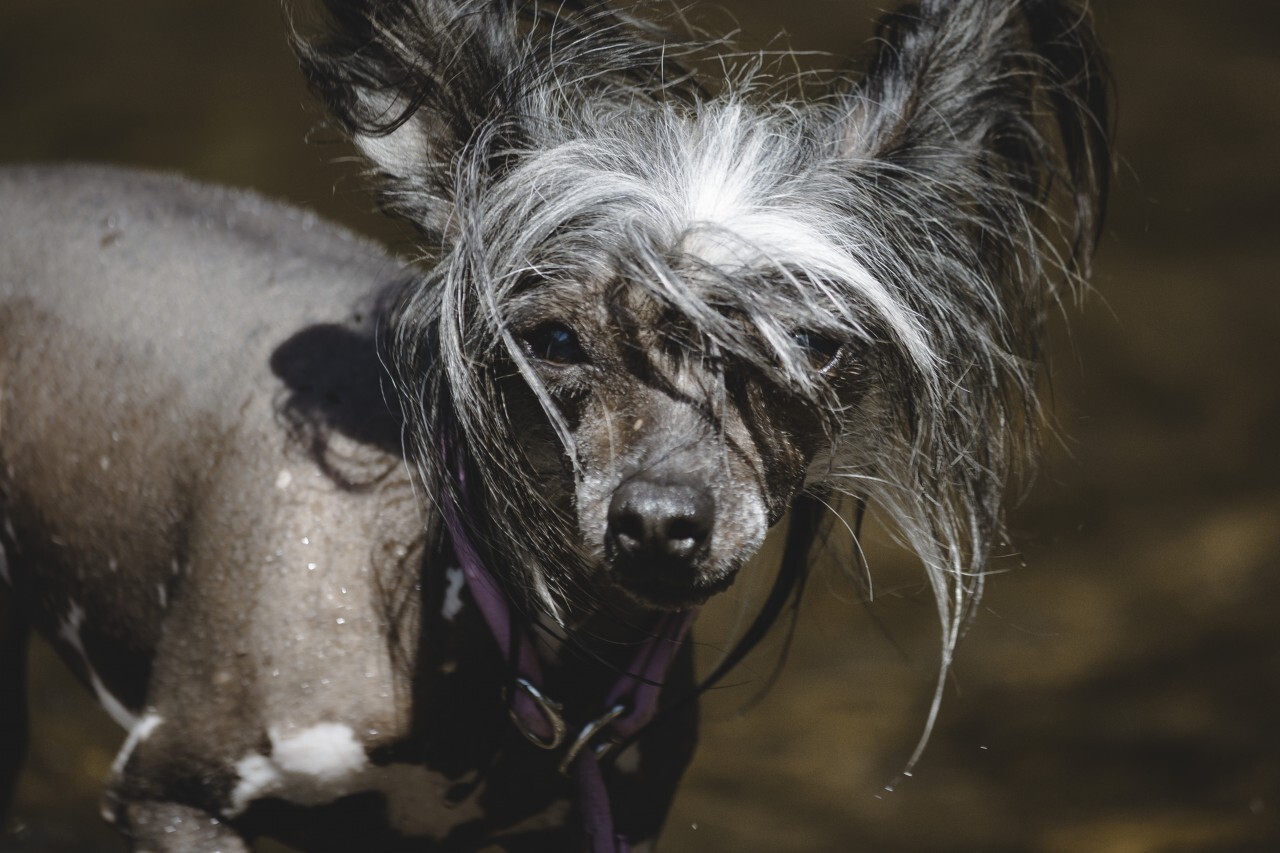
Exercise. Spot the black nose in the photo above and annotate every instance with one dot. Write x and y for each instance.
(656, 525)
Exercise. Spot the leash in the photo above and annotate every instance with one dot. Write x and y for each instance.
(630, 705)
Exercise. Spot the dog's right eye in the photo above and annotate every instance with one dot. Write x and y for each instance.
(555, 343)
(819, 350)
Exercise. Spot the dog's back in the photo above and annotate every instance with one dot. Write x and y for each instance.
(149, 327)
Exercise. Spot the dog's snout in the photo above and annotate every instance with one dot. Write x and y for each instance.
(659, 522)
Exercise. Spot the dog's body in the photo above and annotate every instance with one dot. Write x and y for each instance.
(660, 319)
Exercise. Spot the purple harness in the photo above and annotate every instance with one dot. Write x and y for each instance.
(631, 703)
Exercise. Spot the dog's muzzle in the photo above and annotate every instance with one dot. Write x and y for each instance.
(658, 532)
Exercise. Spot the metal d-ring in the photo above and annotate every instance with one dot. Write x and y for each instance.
(589, 731)
(550, 711)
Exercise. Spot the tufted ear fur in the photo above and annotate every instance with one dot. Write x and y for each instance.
(980, 136)
(439, 95)
(988, 107)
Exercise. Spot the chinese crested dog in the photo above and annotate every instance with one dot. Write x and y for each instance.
(664, 308)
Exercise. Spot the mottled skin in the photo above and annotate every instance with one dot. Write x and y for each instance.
(202, 488)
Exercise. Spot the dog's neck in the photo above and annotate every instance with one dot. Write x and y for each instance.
(609, 631)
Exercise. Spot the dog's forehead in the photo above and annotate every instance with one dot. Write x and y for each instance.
(621, 299)
(668, 180)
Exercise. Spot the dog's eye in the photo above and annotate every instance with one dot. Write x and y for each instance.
(556, 344)
(821, 351)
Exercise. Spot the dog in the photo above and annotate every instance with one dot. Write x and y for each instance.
(404, 556)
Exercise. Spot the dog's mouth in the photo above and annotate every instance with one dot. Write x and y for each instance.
(657, 591)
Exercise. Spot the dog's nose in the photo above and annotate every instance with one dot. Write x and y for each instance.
(654, 522)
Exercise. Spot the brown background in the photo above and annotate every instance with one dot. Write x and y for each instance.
(1120, 692)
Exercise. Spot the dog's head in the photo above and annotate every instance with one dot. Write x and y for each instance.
(664, 309)
(638, 359)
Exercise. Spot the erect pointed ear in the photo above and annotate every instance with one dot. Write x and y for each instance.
(996, 104)
(414, 83)
(443, 95)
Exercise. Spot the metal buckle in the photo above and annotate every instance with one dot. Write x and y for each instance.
(589, 731)
(550, 710)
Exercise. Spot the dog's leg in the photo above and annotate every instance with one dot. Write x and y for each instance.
(163, 827)
(13, 702)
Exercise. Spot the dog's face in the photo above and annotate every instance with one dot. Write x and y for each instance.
(684, 457)
(650, 352)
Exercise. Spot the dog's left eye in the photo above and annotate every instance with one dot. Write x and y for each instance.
(821, 351)
(555, 343)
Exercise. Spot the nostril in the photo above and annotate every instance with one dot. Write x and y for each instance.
(686, 528)
(689, 524)
(627, 526)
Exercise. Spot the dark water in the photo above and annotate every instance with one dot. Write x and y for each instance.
(1120, 694)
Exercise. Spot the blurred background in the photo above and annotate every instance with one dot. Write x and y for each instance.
(1120, 692)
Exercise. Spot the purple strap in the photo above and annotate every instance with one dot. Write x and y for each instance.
(629, 707)
(597, 814)
(497, 614)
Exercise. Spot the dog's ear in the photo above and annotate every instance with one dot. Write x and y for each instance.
(411, 82)
(980, 138)
(989, 106)
(443, 95)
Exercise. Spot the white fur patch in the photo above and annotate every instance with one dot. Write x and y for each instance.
(125, 718)
(317, 765)
(325, 752)
(140, 732)
(283, 479)
(400, 152)
(314, 766)
(259, 777)
(453, 594)
(69, 631)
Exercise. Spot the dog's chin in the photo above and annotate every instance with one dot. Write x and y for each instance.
(661, 594)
